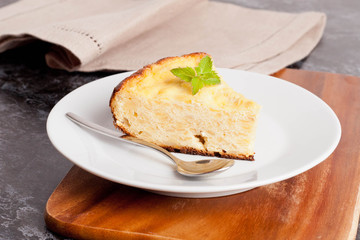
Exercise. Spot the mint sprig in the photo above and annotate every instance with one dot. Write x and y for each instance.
(200, 76)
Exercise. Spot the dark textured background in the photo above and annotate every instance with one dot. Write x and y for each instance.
(30, 167)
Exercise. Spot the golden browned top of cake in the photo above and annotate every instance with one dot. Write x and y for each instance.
(156, 81)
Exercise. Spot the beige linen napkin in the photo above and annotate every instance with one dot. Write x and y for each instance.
(90, 35)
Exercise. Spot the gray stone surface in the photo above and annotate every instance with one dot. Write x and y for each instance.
(30, 167)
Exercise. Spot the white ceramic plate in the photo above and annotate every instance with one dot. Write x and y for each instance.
(296, 131)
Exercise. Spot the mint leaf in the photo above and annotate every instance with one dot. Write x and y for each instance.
(185, 74)
(196, 85)
(205, 64)
(200, 76)
(211, 81)
(198, 70)
(211, 74)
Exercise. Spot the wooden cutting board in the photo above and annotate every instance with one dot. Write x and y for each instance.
(322, 203)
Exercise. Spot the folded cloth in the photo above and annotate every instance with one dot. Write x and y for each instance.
(90, 35)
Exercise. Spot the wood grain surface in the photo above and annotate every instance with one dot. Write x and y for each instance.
(322, 203)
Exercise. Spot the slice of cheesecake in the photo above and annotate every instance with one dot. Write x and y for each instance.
(155, 105)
